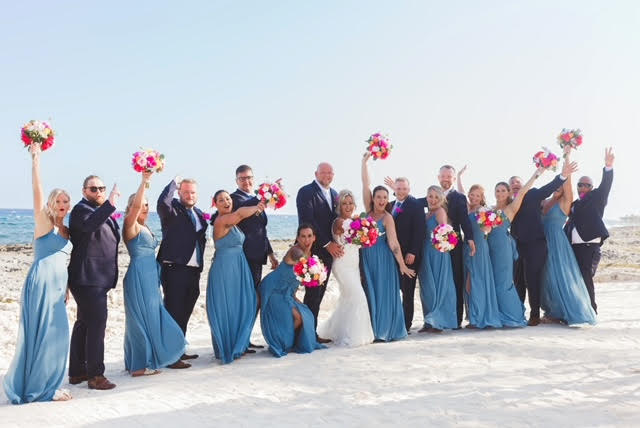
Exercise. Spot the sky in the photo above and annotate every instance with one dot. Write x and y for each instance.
(284, 85)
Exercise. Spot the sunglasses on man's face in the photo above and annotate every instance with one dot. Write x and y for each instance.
(587, 185)
(96, 189)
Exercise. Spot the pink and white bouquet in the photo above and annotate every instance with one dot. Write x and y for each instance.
(379, 146)
(545, 159)
(444, 238)
(570, 137)
(148, 160)
(361, 231)
(310, 272)
(488, 219)
(272, 195)
(37, 132)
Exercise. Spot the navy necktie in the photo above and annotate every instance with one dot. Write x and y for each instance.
(192, 216)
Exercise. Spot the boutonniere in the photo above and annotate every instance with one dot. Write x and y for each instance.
(116, 216)
(399, 210)
(206, 216)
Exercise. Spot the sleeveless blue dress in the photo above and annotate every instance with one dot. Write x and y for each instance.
(482, 302)
(231, 298)
(502, 248)
(437, 289)
(277, 291)
(152, 338)
(38, 366)
(564, 293)
(383, 290)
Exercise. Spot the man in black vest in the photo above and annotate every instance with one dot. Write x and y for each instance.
(93, 271)
(528, 231)
(181, 251)
(316, 204)
(585, 229)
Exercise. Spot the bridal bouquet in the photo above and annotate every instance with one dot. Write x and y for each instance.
(444, 238)
(488, 219)
(148, 160)
(310, 272)
(37, 132)
(570, 137)
(545, 159)
(379, 147)
(272, 195)
(361, 231)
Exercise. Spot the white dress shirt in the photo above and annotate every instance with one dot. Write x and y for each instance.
(194, 258)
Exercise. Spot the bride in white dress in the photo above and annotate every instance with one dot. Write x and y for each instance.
(350, 323)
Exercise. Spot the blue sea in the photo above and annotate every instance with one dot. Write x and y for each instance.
(16, 226)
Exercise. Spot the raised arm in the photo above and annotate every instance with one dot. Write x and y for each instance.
(43, 224)
(460, 185)
(164, 208)
(85, 221)
(367, 197)
(607, 175)
(567, 194)
(392, 240)
(512, 209)
(224, 222)
(131, 226)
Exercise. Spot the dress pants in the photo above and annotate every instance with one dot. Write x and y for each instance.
(457, 267)
(588, 257)
(408, 288)
(86, 355)
(534, 257)
(181, 288)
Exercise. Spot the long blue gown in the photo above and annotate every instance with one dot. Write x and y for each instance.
(277, 301)
(383, 290)
(38, 366)
(437, 289)
(502, 248)
(231, 298)
(482, 302)
(564, 293)
(152, 338)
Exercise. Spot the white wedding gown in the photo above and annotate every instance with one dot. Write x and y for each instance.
(350, 323)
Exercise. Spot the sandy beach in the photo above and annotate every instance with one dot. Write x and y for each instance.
(548, 375)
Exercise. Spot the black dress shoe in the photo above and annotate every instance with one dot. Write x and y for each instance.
(533, 321)
(189, 356)
(253, 345)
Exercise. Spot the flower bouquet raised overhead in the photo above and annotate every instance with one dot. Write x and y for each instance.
(148, 160)
(361, 231)
(379, 146)
(545, 159)
(310, 272)
(570, 137)
(37, 132)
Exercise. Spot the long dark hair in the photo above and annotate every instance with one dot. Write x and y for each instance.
(301, 226)
(502, 183)
(214, 216)
(373, 194)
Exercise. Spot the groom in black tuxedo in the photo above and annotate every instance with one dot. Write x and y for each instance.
(411, 230)
(528, 231)
(181, 253)
(93, 271)
(585, 229)
(316, 203)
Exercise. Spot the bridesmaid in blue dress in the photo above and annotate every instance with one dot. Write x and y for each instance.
(479, 283)
(380, 271)
(152, 338)
(437, 289)
(564, 296)
(287, 323)
(38, 366)
(231, 296)
(502, 248)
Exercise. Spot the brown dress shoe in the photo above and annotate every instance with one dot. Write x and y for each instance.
(101, 383)
(533, 321)
(189, 356)
(179, 365)
(74, 380)
(323, 340)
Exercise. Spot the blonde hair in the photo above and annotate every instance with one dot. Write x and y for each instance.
(132, 197)
(50, 209)
(344, 194)
(483, 200)
(438, 190)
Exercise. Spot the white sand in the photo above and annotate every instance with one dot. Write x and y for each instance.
(542, 376)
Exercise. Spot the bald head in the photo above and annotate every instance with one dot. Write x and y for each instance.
(324, 174)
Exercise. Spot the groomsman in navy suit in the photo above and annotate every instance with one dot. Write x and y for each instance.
(585, 229)
(93, 271)
(181, 251)
(257, 247)
(411, 229)
(316, 203)
(528, 231)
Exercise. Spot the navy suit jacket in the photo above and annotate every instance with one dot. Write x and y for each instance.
(411, 227)
(95, 237)
(314, 209)
(527, 224)
(256, 244)
(457, 213)
(586, 214)
(179, 236)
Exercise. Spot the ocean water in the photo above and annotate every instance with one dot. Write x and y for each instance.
(16, 226)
